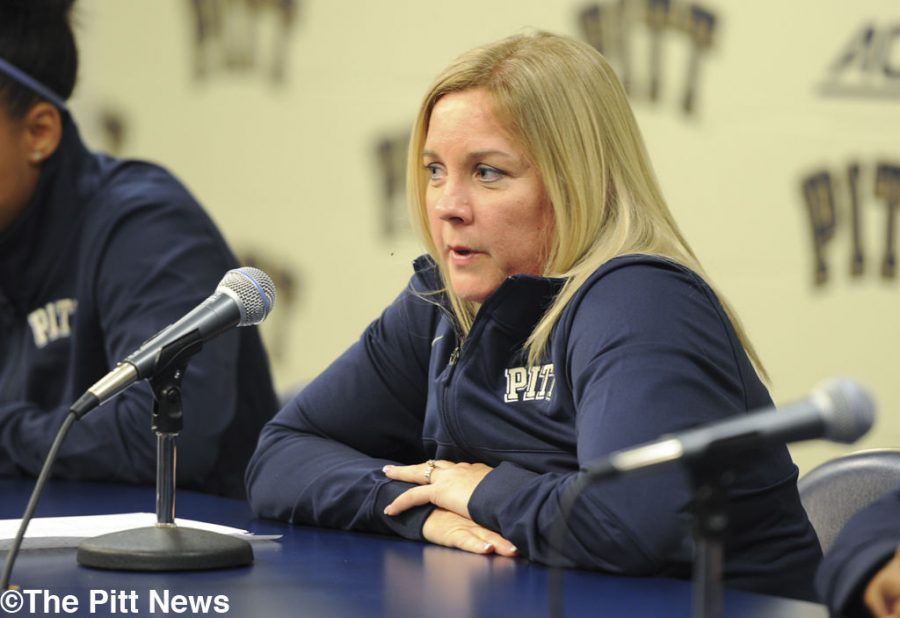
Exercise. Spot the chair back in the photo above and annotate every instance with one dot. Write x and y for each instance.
(836, 490)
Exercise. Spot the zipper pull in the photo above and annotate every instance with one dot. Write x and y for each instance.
(454, 356)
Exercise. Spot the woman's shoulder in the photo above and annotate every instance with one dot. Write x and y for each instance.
(643, 306)
(134, 183)
(643, 277)
(637, 268)
(646, 292)
(145, 198)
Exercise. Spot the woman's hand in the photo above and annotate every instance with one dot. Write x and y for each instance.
(451, 530)
(442, 483)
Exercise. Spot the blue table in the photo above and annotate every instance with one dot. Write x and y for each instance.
(314, 572)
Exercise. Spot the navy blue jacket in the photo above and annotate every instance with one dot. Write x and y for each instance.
(865, 544)
(108, 253)
(643, 349)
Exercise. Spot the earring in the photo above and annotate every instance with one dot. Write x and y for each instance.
(37, 156)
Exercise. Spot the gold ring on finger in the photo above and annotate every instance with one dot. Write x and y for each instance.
(429, 468)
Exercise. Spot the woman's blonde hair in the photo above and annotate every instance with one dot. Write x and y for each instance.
(566, 108)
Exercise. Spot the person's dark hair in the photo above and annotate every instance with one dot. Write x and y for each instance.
(36, 37)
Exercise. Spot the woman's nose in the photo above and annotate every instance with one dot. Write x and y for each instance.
(454, 203)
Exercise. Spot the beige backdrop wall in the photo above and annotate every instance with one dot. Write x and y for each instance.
(290, 167)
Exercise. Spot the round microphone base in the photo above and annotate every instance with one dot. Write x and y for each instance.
(164, 548)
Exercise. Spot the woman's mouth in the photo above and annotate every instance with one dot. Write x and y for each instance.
(461, 254)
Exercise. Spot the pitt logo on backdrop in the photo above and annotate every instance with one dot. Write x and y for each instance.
(227, 35)
(52, 321)
(843, 200)
(529, 383)
(632, 35)
(390, 156)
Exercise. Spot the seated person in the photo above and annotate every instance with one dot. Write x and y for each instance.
(96, 256)
(860, 575)
(559, 316)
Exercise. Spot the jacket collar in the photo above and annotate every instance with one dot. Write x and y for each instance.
(518, 304)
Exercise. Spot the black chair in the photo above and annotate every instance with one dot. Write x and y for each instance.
(834, 491)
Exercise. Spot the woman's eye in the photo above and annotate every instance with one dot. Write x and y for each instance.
(488, 173)
(434, 170)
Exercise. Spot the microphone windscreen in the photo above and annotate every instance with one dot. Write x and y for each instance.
(255, 293)
(848, 408)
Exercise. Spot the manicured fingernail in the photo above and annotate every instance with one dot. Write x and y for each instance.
(488, 546)
(513, 549)
(387, 468)
(387, 510)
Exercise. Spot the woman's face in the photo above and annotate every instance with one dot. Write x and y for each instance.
(18, 176)
(487, 210)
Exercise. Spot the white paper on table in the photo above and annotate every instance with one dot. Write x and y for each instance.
(54, 532)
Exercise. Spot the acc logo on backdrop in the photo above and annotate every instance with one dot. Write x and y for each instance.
(866, 67)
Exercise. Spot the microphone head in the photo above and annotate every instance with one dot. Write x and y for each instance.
(847, 409)
(253, 290)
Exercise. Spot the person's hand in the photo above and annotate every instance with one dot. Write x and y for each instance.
(442, 483)
(883, 592)
(451, 530)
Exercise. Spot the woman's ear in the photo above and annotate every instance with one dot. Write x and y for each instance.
(43, 131)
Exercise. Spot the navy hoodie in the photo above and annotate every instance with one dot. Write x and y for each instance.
(643, 349)
(107, 253)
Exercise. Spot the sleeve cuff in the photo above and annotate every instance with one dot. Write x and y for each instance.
(407, 524)
(843, 593)
(494, 491)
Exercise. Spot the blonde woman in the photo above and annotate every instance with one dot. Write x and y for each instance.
(559, 316)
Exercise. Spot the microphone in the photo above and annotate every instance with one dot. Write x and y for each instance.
(244, 297)
(839, 410)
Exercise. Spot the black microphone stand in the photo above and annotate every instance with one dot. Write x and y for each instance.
(166, 546)
(710, 475)
(709, 528)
